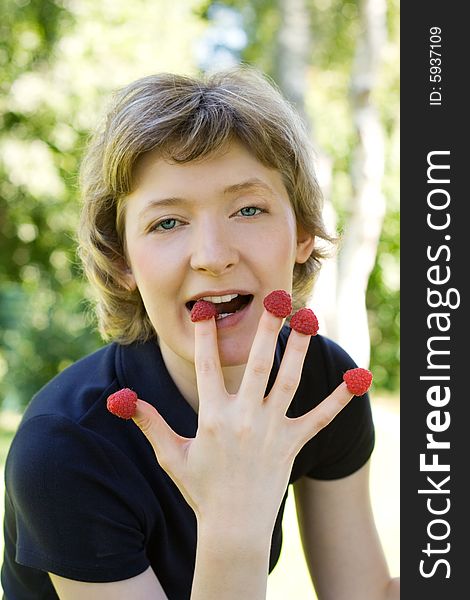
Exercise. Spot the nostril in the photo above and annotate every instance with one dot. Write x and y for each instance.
(214, 256)
(213, 268)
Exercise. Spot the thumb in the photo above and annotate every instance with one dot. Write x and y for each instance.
(167, 445)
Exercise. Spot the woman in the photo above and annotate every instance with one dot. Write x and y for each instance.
(195, 190)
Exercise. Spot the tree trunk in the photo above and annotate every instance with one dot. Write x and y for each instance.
(294, 47)
(364, 224)
(292, 53)
(340, 291)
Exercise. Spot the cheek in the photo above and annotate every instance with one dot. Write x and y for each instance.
(155, 272)
(278, 245)
(271, 259)
(141, 262)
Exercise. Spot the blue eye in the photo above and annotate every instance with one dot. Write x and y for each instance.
(165, 225)
(168, 223)
(250, 211)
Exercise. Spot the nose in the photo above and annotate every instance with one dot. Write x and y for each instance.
(213, 251)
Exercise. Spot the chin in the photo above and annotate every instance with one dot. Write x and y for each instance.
(233, 362)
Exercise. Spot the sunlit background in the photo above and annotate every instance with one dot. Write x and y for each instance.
(59, 62)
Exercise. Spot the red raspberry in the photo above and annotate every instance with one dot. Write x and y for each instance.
(305, 321)
(122, 403)
(202, 311)
(279, 303)
(358, 381)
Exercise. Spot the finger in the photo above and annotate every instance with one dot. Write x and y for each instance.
(260, 360)
(210, 381)
(319, 417)
(290, 370)
(168, 445)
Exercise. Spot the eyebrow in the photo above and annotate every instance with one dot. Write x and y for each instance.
(250, 184)
(253, 183)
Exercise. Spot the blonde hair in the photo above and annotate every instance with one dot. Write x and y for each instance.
(185, 119)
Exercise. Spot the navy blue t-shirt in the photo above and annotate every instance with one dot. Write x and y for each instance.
(85, 497)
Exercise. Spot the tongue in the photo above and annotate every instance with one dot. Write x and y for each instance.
(232, 306)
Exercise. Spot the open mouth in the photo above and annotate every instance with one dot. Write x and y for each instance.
(225, 305)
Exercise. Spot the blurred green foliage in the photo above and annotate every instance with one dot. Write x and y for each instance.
(59, 61)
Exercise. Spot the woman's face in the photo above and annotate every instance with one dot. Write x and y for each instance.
(219, 227)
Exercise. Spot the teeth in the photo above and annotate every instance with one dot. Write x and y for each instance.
(222, 316)
(219, 299)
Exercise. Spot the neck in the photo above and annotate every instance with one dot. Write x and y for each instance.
(184, 375)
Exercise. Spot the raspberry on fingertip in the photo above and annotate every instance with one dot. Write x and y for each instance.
(122, 403)
(278, 303)
(358, 380)
(203, 311)
(305, 321)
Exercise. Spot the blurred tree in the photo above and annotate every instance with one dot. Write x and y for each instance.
(367, 204)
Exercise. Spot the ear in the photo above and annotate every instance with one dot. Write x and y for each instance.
(305, 244)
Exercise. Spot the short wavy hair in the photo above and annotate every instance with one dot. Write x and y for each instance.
(185, 119)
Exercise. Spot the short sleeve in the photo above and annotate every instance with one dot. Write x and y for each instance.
(346, 444)
(76, 502)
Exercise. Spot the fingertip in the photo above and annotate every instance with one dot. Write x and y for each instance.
(141, 406)
(345, 396)
(143, 413)
(206, 327)
(210, 321)
(271, 321)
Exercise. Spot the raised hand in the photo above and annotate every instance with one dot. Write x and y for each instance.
(236, 470)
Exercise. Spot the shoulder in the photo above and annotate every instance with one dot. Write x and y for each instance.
(347, 442)
(64, 480)
(320, 345)
(63, 420)
(67, 422)
(71, 463)
(42, 446)
(324, 365)
(332, 352)
(73, 391)
(334, 360)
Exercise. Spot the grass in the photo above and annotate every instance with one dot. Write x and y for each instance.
(290, 578)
